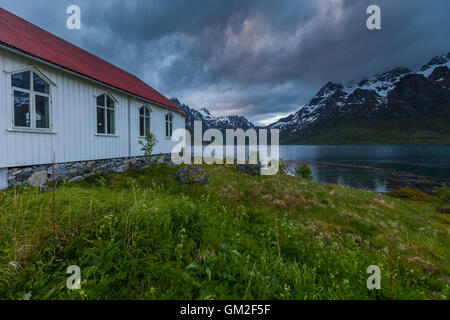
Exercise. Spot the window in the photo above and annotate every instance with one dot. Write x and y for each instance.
(144, 121)
(105, 115)
(31, 99)
(169, 125)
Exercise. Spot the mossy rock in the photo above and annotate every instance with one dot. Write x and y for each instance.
(410, 194)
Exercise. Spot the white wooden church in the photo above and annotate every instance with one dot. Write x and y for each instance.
(60, 102)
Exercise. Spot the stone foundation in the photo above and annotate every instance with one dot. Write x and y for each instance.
(39, 175)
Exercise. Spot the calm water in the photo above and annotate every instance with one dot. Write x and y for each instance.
(428, 161)
(427, 166)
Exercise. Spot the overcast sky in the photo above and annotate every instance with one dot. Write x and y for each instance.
(260, 59)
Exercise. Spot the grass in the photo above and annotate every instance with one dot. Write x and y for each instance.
(141, 235)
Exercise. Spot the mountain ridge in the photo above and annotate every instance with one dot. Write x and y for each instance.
(397, 106)
(212, 122)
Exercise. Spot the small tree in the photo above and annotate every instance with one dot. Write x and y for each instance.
(304, 171)
(148, 144)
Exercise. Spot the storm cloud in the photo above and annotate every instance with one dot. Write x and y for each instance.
(261, 59)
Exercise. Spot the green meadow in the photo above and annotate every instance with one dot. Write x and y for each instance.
(141, 235)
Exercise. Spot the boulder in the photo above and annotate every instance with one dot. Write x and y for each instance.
(38, 179)
(192, 175)
(77, 179)
(253, 169)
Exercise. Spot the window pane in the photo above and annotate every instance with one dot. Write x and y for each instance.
(167, 129)
(40, 85)
(21, 80)
(147, 112)
(171, 127)
(141, 127)
(101, 100)
(101, 120)
(42, 112)
(141, 111)
(110, 102)
(147, 125)
(21, 109)
(110, 119)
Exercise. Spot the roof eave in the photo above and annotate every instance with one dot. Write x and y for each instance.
(13, 49)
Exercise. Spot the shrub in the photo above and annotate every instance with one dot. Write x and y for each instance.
(148, 145)
(304, 171)
(410, 194)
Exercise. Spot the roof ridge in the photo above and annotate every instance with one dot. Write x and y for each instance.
(66, 60)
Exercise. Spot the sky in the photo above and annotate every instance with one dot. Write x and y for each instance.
(261, 59)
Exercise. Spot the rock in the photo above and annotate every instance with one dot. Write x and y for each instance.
(89, 175)
(77, 179)
(60, 170)
(192, 175)
(72, 171)
(38, 179)
(24, 174)
(253, 169)
(90, 164)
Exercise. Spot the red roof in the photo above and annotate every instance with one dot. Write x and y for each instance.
(25, 36)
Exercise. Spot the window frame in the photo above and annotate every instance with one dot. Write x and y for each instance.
(32, 94)
(105, 108)
(169, 125)
(145, 107)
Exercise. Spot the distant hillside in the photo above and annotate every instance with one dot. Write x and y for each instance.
(398, 106)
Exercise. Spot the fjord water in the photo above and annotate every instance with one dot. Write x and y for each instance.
(421, 167)
(429, 161)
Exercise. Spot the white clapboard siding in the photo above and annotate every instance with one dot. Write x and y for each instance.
(73, 115)
(3, 178)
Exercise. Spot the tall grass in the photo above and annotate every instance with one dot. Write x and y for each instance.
(140, 235)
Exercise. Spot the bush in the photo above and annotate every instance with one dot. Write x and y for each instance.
(147, 146)
(410, 194)
(304, 171)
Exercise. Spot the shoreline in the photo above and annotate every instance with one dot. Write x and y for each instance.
(397, 179)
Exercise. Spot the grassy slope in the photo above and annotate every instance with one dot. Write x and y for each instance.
(141, 235)
(411, 131)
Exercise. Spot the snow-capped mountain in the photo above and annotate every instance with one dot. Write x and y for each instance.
(211, 122)
(389, 98)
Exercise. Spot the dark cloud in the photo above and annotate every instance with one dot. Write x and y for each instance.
(256, 58)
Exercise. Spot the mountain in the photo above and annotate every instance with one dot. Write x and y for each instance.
(398, 106)
(211, 122)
